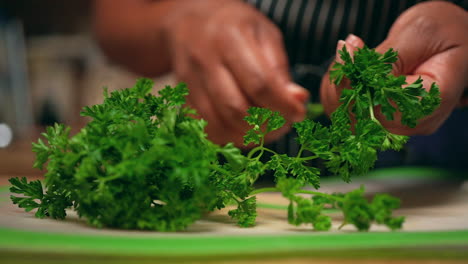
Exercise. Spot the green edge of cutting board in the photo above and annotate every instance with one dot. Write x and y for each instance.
(11, 239)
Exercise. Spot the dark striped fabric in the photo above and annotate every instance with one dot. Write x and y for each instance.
(312, 28)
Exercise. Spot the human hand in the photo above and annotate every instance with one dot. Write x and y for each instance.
(432, 42)
(232, 57)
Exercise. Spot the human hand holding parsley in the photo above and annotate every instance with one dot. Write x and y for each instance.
(432, 43)
(229, 54)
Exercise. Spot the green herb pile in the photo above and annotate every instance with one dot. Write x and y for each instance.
(144, 162)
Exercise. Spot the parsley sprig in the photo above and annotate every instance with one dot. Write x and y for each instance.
(144, 162)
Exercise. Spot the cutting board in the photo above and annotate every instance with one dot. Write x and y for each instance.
(434, 202)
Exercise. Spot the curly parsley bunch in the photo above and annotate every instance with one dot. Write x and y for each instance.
(141, 163)
(144, 162)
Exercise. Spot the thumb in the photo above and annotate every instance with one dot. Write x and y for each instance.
(413, 49)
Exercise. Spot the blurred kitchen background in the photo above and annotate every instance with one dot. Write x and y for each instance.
(50, 67)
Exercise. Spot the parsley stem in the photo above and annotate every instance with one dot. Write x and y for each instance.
(329, 196)
(371, 107)
(391, 89)
(256, 149)
(299, 153)
(271, 151)
(109, 178)
(260, 148)
(219, 169)
(235, 199)
(262, 190)
(350, 99)
(342, 225)
(253, 151)
(274, 189)
(308, 158)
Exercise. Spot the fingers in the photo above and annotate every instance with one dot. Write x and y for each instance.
(433, 46)
(449, 71)
(417, 36)
(402, 38)
(237, 65)
(329, 92)
(228, 101)
(426, 51)
(271, 45)
(354, 41)
(200, 101)
(264, 79)
(408, 58)
(188, 71)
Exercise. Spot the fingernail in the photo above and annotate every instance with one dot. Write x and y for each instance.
(302, 95)
(340, 45)
(299, 92)
(352, 39)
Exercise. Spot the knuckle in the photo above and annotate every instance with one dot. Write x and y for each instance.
(425, 25)
(227, 36)
(399, 66)
(236, 110)
(256, 85)
(419, 19)
(199, 58)
(278, 72)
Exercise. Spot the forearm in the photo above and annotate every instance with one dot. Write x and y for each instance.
(132, 33)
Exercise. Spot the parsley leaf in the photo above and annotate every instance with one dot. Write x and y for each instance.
(51, 204)
(373, 84)
(263, 121)
(246, 212)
